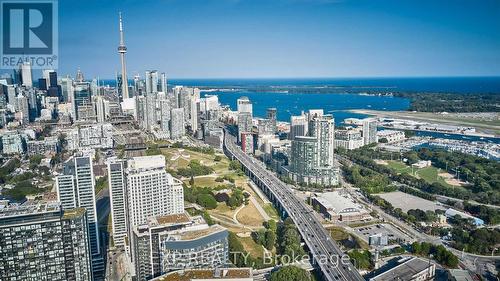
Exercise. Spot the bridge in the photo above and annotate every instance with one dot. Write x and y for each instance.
(326, 255)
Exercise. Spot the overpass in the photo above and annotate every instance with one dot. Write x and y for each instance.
(326, 255)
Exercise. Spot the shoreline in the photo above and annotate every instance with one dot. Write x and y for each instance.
(482, 129)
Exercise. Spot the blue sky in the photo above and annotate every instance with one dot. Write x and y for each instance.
(282, 38)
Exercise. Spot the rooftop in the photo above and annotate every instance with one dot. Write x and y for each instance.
(29, 209)
(340, 203)
(204, 274)
(173, 219)
(199, 233)
(404, 271)
(73, 213)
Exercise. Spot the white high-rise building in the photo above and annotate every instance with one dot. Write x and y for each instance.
(100, 107)
(151, 191)
(76, 189)
(369, 131)
(23, 108)
(26, 75)
(322, 128)
(211, 102)
(298, 126)
(151, 82)
(118, 200)
(177, 129)
(244, 105)
(163, 84)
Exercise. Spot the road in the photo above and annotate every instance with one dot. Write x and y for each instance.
(325, 252)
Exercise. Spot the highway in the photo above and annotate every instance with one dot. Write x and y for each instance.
(327, 256)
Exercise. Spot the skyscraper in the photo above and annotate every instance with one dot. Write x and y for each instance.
(26, 75)
(244, 116)
(244, 105)
(118, 200)
(163, 82)
(76, 189)
(177, 129)
(272, 116)
(369, 131)
(122, 50)
(151, 191)
(298, 126)
(151, 82)
(322, 128)
(43, 242)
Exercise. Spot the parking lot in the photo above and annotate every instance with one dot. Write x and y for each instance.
(406, 201)
(392, 233)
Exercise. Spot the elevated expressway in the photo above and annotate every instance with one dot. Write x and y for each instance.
(326, 254)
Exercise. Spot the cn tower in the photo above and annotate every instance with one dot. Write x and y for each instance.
(122, 50)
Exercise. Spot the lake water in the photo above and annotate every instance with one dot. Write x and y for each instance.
(292, 104)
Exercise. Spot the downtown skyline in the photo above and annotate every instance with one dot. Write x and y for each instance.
(275, 39)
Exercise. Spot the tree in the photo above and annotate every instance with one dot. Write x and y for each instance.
(270, 240)
(234, 165)
(361, 260)
(35, 160)
(217, 158)
(206, 200)
(290, 273)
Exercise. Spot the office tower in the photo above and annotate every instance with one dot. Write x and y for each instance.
(163, 87)
(76, 188)
(100, 109)
(43, 242)
(67, 91)
(369, 131)
(151, 190)
(172, 242)
(122, 50)
(42, 84)
(271, 114)
(23, 108)
(151, 82)
(18, 79)
(26, 75)
(322, 128)
(118, 200)
(177, 129)
(82, 99)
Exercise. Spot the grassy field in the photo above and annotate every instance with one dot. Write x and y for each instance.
(429, 174)
(271, 211)
(250, 216)
(254, 249)
(347, 240)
